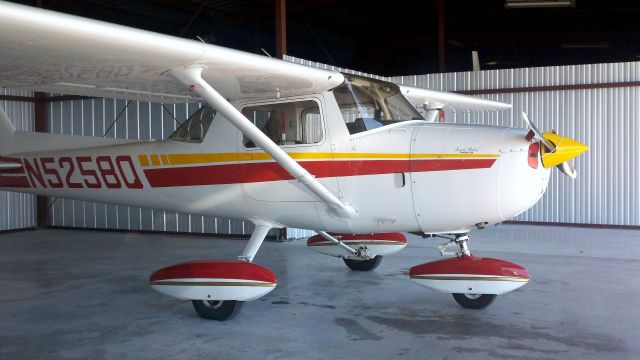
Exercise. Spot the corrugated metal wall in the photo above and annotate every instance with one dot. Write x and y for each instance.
(140, 120)
(17, 211)
(607, 190)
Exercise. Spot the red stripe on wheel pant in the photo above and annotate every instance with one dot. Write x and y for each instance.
(396, 237)
(271, 171)
(217, 269)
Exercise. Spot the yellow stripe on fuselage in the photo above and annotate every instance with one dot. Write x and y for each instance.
(155, 160)
(144, 160)
(190, 159)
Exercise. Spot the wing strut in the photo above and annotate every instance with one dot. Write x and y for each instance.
(191, 76)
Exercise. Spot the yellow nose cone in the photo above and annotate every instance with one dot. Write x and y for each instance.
(566, 149)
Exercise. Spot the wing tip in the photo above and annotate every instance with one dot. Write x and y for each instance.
(454, 100)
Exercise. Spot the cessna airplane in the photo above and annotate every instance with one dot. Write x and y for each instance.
(277, 144)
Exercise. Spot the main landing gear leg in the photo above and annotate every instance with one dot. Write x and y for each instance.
(470, 301)
(223, 310)
(257, 237)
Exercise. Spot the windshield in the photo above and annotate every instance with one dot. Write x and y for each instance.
(196, 126)
(367, 104)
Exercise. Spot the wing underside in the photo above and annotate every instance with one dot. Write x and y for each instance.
(53, 52)
(439, 99)
(47, 51)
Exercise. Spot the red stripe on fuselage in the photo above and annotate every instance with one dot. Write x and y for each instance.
(18, 171)
(10, 178)
(271, 171)
(14, 182)
(10, 160)
(15, 171)
(450, 164)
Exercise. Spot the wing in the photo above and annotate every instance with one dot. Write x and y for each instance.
(48, 51)
(439, 99)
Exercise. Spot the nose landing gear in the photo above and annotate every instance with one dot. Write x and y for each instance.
(221, 310)
(473, 281)
(461, 241)
(474, 301)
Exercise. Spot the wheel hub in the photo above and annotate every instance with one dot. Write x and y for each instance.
(213, 304)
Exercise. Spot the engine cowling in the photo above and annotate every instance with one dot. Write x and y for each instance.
(470, 275)
(214, 280)
(375, 244)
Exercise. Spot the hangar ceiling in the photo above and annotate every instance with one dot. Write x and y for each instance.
(391, 38)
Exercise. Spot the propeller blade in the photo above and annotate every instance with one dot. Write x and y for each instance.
(557, 150)
(568, 170)
(538, 133)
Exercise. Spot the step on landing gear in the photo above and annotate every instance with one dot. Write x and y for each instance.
(473, 281)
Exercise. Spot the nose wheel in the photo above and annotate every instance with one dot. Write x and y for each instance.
(474, 301)
(470, 301)
(220, 310)
(474, 281)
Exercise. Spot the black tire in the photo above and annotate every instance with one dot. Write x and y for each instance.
(363, 265)
(473, 301)
(217, 309)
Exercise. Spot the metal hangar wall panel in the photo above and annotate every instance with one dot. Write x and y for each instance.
(17, 211)
(598, 104)
(93, 117)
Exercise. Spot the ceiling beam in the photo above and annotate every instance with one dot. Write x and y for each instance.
(281, 28)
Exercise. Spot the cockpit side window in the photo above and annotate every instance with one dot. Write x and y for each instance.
(367, 104)
(195, 128)
(287, 123)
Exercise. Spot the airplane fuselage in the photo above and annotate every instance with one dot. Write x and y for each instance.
(409, 176)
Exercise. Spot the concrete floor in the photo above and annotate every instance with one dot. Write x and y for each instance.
(72, 294)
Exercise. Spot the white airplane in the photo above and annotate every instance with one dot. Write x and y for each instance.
(277, 144)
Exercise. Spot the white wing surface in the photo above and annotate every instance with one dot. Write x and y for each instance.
(53, 52)
(440, 99)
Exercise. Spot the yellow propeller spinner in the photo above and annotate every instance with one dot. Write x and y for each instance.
(565, 150)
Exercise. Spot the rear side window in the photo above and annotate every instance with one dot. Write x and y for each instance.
(289, 123)
(196, 126)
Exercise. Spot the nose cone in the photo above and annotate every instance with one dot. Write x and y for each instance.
(523, 179)
(566, 149)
